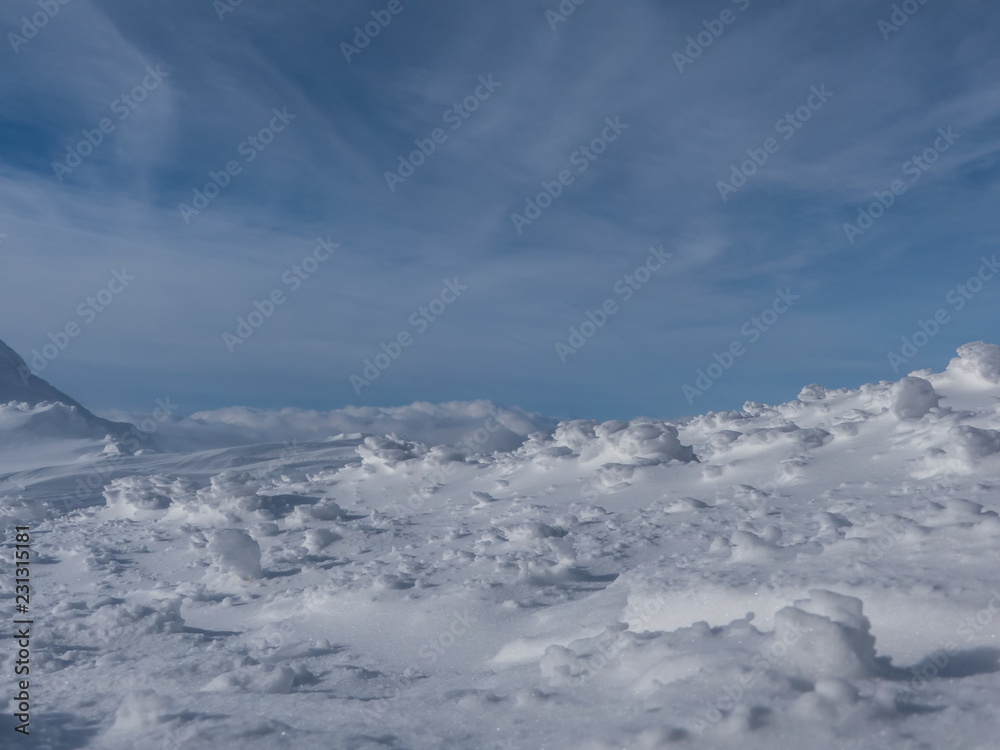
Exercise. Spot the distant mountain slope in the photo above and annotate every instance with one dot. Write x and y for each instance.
(19, 385)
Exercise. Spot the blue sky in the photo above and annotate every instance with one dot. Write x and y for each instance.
(552, 91)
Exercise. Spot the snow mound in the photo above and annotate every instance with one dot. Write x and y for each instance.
(260, 678)
(142, 712)
(114, 621)
(973, 443)
(641, 441)
(978, 358)
(319, 539)
(912, 398)
(830, 637)
(235, 551)
(134, 496)
(388, 451)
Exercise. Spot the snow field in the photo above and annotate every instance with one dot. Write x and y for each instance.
(821, 573)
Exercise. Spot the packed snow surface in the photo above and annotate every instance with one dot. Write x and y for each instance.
(822, 573)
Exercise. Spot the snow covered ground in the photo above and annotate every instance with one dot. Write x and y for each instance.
(821, 573)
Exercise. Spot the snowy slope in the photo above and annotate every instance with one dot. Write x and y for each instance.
(31, 409)
(821, 573)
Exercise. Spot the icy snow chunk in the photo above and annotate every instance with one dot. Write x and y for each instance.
(973, 443)
(231, 484)
(575, 434)
(829, 700)
(958, 511)
(978, 358)
(135, 495)
(813, 392)
(319, 539)
(832, 521)
(235, 551)
(912, 398)
(827, 636)
(142, 712)
(611, 427)
(812, 437)
(266, 528)
(111, 448)
(751, 548)
(263, 678)
(531, 531)
(114, 621)
(653, 440)
(306, 516)
(615, 476)
(388, 451)
(561, 666)
(837, 691)
(642, 441)
(482, 498)
(838, 607)
(684, 505)
(325, 510)
(723, 438)
(227, 491)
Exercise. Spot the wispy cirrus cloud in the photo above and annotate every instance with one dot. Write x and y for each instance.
(325, 176)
